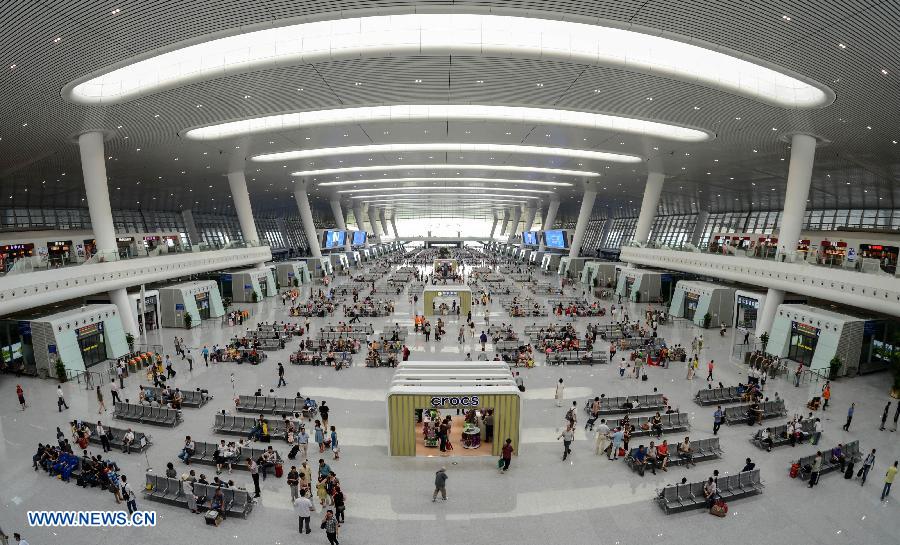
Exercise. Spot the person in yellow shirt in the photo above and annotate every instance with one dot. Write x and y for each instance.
(889, 479)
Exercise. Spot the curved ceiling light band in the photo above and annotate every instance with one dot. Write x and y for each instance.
(448, 148)
(454, 194)
(439, 34)
(446, 113)
(444, 179)
(445, 187)
(498, 168)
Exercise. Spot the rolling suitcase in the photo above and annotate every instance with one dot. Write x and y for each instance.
(293, 453)
(279, 470)
(848, 474)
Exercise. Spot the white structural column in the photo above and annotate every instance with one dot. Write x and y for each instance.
(604, 234)
(584, 216)
(697, 235)
(238, 185)
(394, 225)
(649, 205)
(358, 215)
(191, 227)
(550, 219)
(93, 167)
(514, 223)
(530, 212)
(494, 225)
(373, 221)
(803, 154)
(339, 220)
(384, 225)
(309, 228)
(505, 223)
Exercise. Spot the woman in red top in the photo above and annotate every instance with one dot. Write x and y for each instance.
(21, 393)
(506, 455)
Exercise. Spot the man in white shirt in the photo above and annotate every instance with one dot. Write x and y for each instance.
(61, 401)
(127, 440)
(104, 439)
(304, 509)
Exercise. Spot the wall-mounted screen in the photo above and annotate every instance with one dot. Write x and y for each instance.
(556, 239)
(333, 239)
(530, 238)
(359, 238)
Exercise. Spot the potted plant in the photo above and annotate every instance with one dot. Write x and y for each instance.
(61, 370)
(834, 367)
(707, 319)
(254, 297)
(188, 320)
(295, 282)
(895, 369)
(764, 339)
(129, 338)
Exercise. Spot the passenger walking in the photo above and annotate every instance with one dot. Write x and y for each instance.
(101, 406)
(709, 367)
(567, 436)
(826, 394)
(816, 468)
(717, 419)
(61, 401)
(850, 412)
(889, 480)
(884, 415)
(896, 417)
(440, 484)
(128, 495)
(506, 456)
(866, 467)
(281, 381)
(114, 392)
(560, 392)
(293, 481)
(330, 525)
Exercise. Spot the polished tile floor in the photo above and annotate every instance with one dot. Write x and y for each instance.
(586, 499)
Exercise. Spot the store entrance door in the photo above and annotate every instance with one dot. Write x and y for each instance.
(92, 344)
(690, 305)
(467, 432)
(803, 343)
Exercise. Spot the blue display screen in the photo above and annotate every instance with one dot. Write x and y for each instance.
(555, 239)
(359, 238)
(334, 239)
(530, 238)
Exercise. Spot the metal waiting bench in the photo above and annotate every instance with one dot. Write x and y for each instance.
(142, 440)
(191, 398)
(716, 396)
(770, 409)
(683, 497)
(241, 425)
(206, 453)
(271, 405)
(701, 451)
(614, 405)
(671, 423)
(160, 416)
(237, 501)
(850, 451)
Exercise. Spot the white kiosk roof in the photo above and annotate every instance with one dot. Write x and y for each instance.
(438, 377)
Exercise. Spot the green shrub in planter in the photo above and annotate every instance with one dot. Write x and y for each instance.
(834, 367)
(61, 370)
(254, 297)
(188, 320)
(707, 319)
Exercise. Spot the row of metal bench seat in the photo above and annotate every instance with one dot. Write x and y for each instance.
(716, 396)
(163, 489)
(779, 435)
(702, 450)
(614, 405)
(850, 451)
(205, 452)
(770, 409)
(241, 425)
(271, 405)
(335, 335)
(670, 423)
(142, 440)
(191, 398)
(683, 497)
(160, 416)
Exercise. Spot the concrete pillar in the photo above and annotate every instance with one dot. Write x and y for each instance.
(494, 225)
(238, 185)
(281, 223)
(93, 169)
(649, 205)
(697, 235)
(530, 212)
(358, 216)
(384, 226)
(191, 227)
(550, 219)
(803, 154)
(394, 225)
(373, 221)
(309, 228)
(505, 223)
(514, 224)
(339, 220)
(584, 217)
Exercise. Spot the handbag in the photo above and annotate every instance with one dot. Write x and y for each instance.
(322, 526)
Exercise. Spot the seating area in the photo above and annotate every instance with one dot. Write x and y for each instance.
(272, 405)
(163, 489)
(206, 453)
(578, 357)
(241, 425)
(671, 423)
(780, 437)
(142, 441)
(851, 453)
(702, 450)
(191, 398)
(158, 416)
(676, 498)
(739, 413)
(718, 396)
(617, 404)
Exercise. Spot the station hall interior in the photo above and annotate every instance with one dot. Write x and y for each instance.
(498, 271)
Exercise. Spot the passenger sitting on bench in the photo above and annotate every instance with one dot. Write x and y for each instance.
(217, 503)
(710, 492)
(266, 461)
(662, 455)
(631, 404)
(837, 456)
(652, 457)
(685, 452)
(640, 459)
(127, 441)
(748, 466)
(754, 414)
(259, 429)
(767, 439)
(187, 451)
(656, 425)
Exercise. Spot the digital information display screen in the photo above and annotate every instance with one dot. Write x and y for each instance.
(556, 239)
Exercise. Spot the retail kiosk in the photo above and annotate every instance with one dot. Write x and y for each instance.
(292, 273)
(150, 308)
(644, 285)
(80, 338)
(425, 393)
(434, 296)
(200, 299)
(747, 304)
(241, 285)
(694, 299)
(600, 274)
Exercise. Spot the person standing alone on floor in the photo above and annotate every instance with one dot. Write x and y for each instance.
(889, 480)
(440, 484)
(506, 455)
(850, 412)
(560, 391)
(281, 381)
(826, 394)
(887, 409)
(709, 367)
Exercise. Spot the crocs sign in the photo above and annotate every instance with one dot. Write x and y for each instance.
(456, 401)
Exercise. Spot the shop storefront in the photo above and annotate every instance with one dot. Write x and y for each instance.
(59, 253)
(691, 300)
(11, 252)
(804, 338)
(434, 404)
(747, 311)
(151, 311)
(442, 300)
(125, 246)
(91, 344)
(80, 338)
(815, 337)
(201, 300)
(886, 255)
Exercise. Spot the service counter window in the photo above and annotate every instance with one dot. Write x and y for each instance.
(691, 300)
(59, 253)
(202, 301)
(747, 309)
(11, 252)
(91, 344)
(886, 255)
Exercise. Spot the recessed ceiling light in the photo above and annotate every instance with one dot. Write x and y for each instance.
(842, 46)
(417, 81)
(479, 81)
(246, 96)
(116, 11)
(869, 127)
(357, 84)
(539, 84)
(884, 71)
(785, 17)
(199, 105)
(138, 149)
(696, 107)
(755, 151)
(737, 118)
